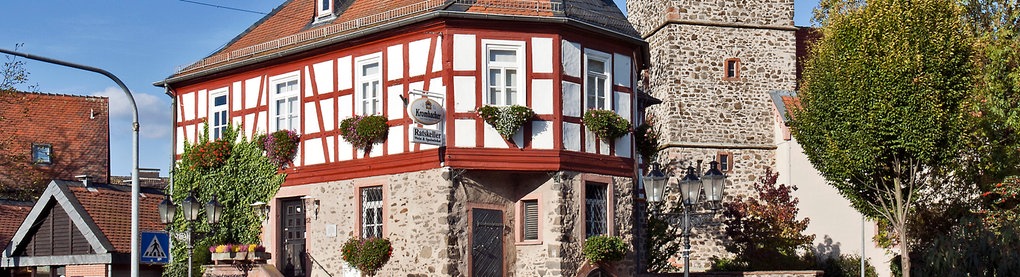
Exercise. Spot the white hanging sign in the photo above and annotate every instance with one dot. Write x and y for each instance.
(425, 111)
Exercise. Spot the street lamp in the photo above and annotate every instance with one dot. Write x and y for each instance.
(190, 207)
(691, 188)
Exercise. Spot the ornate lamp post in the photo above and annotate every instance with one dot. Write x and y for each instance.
(191, 209)
(691, 187)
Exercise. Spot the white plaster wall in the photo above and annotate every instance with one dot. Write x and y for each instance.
(324, 76)
(622, 146)
(542, 96)
(571, 99)
(203, 106)
(344, 76)
(571, 58)
(830, 214)
(394, 107)
(328, 120)
(542, 134)
(465, 136)
(395, 140)
(235, 96)
(394, 62)
(314, 153)
(492, 138)
(310, 119)
(622, 70)
(188, 105)
(179, 141)
(464, 93)
(252, 89)
(464, 44)
(437, 61)
(571, 136)
(418, 56)
(541, 55)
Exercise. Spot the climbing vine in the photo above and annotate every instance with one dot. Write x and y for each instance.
(247, 176)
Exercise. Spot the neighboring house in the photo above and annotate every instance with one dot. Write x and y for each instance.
(51, 136)
(480, 205)
(11, 212)
(80, 229)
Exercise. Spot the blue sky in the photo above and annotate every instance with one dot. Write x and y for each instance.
(140, 42)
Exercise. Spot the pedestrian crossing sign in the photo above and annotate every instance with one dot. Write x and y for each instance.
(155, 247)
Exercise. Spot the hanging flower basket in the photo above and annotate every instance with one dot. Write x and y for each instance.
(281, 146)
(606, 124)
(647, 140)
(363, 131)
(367, 255)
(506, 119)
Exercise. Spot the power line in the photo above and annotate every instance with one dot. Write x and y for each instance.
(223, 7)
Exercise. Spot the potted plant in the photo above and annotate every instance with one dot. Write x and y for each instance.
(281, 146)
(367, 255)
(257, 252)
(506, 119)
(603, 249)
(364, 131)
(607, 125)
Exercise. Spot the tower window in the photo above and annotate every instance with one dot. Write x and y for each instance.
(732, 69)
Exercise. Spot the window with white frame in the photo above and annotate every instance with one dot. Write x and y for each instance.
(371, 212)
(324, 8)
(503, 78)
(218, 113)
(595, 208)
(286, 103)
(597, 85)
(41, 153)
(369, 81)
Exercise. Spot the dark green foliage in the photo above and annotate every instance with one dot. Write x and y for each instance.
(847, 266)
(646, 139)
(973, 249)
(601, 249)
(246, 177)
(663, 242)
(367, 255)
(606, 124)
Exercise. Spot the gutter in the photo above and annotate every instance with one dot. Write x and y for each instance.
(169, 190)
(394, 25)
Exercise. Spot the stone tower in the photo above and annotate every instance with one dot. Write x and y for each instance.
(713, 65)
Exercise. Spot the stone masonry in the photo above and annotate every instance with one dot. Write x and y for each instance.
(704, 114)
(427, 220)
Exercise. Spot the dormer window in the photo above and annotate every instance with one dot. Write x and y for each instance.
(323, 10)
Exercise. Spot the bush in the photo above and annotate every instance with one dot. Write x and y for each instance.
(367, 255)
(281, 146)
(599, 249)
(606, 124)
(506, 119)
(847, 266)
(363, 131)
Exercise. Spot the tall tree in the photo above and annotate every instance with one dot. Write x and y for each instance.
(18, 179)
(881, 101)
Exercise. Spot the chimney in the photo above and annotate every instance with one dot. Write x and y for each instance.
(85, 180)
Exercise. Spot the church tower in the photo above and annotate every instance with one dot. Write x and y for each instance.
(713, 64)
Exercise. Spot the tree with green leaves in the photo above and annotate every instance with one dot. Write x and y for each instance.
(19, 179)
(881, 99)
(237, 175)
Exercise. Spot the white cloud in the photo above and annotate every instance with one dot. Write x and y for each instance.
(153, 112)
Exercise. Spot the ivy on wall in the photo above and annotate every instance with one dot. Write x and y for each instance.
(246, 177)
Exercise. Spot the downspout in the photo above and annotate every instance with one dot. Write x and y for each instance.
(173, 136)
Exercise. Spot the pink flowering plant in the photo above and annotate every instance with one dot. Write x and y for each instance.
(281, 146)
(606, 124)
(506, 119)
(363, 131)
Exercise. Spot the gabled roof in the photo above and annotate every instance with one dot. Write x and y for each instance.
(786, 102)
(100, 212)
(293, 26)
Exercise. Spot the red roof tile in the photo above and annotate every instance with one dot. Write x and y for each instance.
(791, 103)
(111, 211)
(11, 216)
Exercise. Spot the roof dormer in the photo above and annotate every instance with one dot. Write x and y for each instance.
(324, 11)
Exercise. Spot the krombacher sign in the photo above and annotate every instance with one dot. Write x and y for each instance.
(425, 111)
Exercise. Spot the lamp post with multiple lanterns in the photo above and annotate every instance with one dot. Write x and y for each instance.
(190, 207)
(691, 186)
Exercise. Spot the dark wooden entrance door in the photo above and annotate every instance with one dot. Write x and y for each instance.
(486, 243)
(293, 238)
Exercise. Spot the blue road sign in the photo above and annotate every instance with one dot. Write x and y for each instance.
(155, 247)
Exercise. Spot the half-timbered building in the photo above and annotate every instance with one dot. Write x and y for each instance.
(476, 204)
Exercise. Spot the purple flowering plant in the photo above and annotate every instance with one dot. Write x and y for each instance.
(281, 146)
(363, 131)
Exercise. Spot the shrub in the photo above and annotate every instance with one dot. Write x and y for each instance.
(847, 266)
(599, 249)
(606, 124)
(363, 131)
(281, 146)
(506, 119)
(367, 255)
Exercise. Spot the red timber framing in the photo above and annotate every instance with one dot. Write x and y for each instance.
(413, 157)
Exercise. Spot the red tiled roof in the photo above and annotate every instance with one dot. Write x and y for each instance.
(11, 216)
(293, 22)
(111, 211)
(791, 103)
